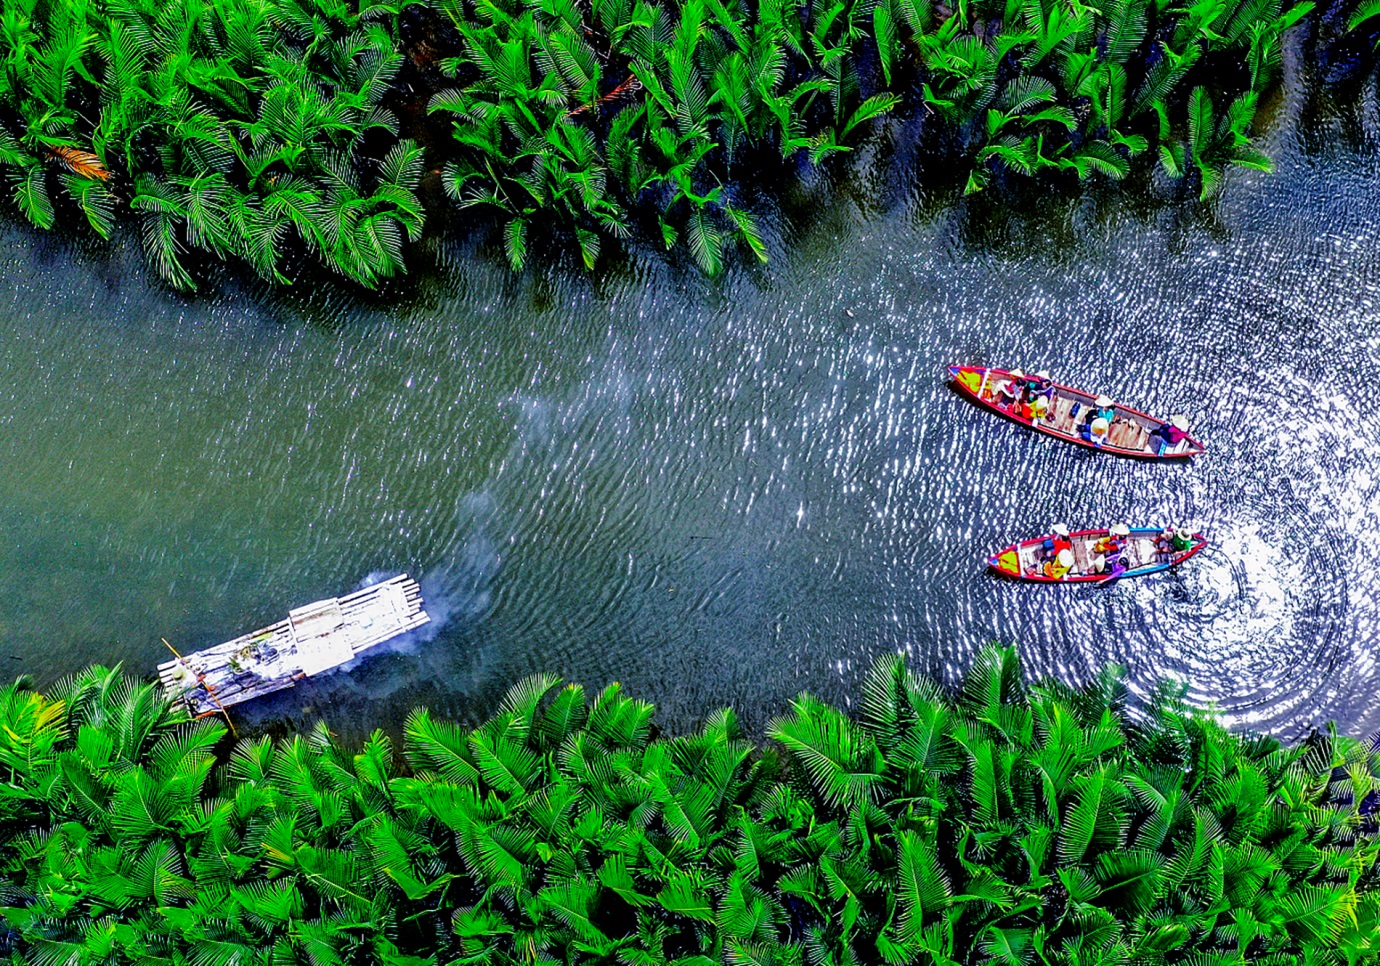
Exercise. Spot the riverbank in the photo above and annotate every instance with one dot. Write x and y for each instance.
(282, 135)
(1006, 819)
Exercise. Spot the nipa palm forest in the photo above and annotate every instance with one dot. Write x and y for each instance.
(1003, 824)
(283, 134)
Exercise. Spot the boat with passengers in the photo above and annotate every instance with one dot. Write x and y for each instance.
(1075, 415)
(1094, 556)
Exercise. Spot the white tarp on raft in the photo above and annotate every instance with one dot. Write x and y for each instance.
(321, 640)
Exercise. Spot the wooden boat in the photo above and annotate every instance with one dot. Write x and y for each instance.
(1132, 432)
(1140, 556)
(314, 638)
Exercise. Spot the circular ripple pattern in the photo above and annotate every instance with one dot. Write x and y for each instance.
(721, 493)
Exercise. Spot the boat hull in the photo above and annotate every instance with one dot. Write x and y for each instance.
(1131, 436)
(1140, 558)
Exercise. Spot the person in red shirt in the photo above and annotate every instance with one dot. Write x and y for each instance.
(1059, 541)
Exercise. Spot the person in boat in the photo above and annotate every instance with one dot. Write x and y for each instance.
(1105, 566)
(1059, 567)
(1114, 541)
(1034, 408)
(1008, 393)
(1164, 541)
(1103, 408)
(1057, 542)
(1183, 540)
(1172, 433)
(1036, 387)
(184, 677)
(1096, 428)
(1098, 418)
(1097, 566)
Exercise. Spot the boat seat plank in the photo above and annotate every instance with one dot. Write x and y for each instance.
(1082, 553)
(1063, 419)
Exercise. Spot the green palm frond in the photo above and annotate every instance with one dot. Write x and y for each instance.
(1008, 824)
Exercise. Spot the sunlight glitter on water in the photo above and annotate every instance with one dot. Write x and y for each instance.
(722, 493)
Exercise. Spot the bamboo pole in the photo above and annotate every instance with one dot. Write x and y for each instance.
(210, 689)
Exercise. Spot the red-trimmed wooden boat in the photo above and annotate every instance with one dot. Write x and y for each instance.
(1132, 432)
(1142, 554)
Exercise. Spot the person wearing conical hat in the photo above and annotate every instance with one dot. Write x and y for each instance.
(1058, 541)
(1114, 542)
(1183, 539)
(1164, 541)
(1059, 567)
(183, 677)
(1038, 385)
(1171, 433)
(1095, 429)
(1008, 391)
(1097, 422)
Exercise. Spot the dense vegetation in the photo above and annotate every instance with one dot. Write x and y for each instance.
(267, 130)
(1007, 824)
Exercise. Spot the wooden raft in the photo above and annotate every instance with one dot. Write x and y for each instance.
(314, 638)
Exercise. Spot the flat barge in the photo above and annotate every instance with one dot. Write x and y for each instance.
(312, 639)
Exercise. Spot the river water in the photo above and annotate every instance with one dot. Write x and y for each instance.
(722, 492)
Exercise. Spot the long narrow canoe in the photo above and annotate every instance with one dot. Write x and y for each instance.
(1132, 432)
(1141, 556)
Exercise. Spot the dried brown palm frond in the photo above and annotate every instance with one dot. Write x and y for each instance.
(79, 162)
(626, 89)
